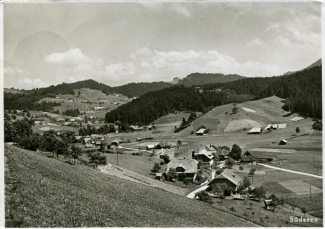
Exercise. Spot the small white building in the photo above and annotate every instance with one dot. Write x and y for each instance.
(255, 130)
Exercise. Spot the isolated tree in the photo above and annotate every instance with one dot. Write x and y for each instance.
(241, 168)
(28, 114)
(171, 174)
(234, 110)
(251, 205)
(97, 159)
(297, 130)
(75, 153)
(318, 125)
(251, 173)
(14, 117)
(156, 168)
(303, 210)
(259, 192)
(235, 152)
(222, 197)
(246, 182)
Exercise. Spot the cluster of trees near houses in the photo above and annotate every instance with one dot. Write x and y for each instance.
(89, 129)
(20, 132)
(302, 92)
(72, 112)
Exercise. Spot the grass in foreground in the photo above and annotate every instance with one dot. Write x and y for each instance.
(43, 192)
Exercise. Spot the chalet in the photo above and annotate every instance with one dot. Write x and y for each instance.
(271, 127)
(89, 143)
(79, 139)
(99, 108)
(167, 152)
(205, 156)
(253, 158)
(188, 167)
(78, 119)
(163, 145)
(60, 120)
(222, 154)
(201, 131)
(72, 119)
(135, 128)
(97, 136)
(183, 152)
(115, 142)
(283, 142)
(255, 130)
(152, 127)
(139, 139)
(150, 146)
(98, 143)
(227, 178)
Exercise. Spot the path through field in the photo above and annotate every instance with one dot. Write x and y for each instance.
(291, 171)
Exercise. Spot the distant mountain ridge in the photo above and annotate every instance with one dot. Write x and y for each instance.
(317, 63)
(208, 78)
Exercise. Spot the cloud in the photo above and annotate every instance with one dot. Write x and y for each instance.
(74, 58)
(273, 27)
(18, 78)
(255, 42)
(147, 65)
(180, 8)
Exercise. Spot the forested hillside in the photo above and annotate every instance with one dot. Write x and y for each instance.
(138, 89)
(207, 78)
(155, 104)
(302, 91)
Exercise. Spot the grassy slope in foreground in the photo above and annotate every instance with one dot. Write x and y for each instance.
(43, 192)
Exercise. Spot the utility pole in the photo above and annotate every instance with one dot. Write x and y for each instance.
(310, 190)
(117, 154)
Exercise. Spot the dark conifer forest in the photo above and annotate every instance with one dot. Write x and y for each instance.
(302, 92)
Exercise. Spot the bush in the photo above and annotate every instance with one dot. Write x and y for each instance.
(318, 125)
(204, 196)
(235, 152)
(241, 168)
(156, 168)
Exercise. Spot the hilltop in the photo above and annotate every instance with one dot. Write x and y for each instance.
(43, 192)
(207, 78)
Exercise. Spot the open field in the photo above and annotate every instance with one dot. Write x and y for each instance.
(44, 192)
(299, 187)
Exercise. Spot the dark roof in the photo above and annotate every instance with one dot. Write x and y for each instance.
(246, 158)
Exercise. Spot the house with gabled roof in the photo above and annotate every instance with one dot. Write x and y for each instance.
(186, 167)
(227, 178)
(205, 156)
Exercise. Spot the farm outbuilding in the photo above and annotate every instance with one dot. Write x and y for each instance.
(201, 131)
(255, 130)
(283, 142)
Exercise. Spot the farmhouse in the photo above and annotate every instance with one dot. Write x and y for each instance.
(255, 130)
(205, 156)
(201, 131)
(253, 158)
(89, 143)
(188, 167)
(152, 127)
(227, 178)
(283, 142)
(163, 145)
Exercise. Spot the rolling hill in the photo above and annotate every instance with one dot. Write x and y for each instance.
(251, 114)
(44, 192)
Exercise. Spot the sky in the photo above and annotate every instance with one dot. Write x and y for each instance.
(118, 43)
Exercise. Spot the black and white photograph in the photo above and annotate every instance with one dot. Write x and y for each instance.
(162, 114)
